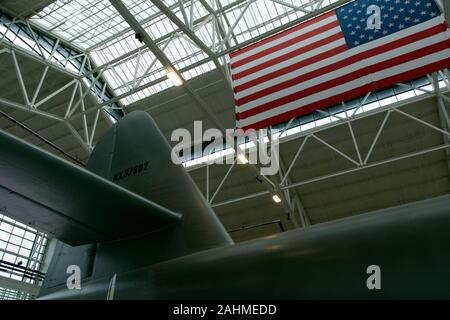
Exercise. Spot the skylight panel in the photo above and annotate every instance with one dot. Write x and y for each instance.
(95, 26)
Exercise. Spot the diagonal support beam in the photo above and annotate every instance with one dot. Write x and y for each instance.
(83, 143)
(183, 11)
(15, 105)
(199, 43)
(297, 154)
(20, 79)
(236, 22)
(134, 24)
(216, 23)
(139, 29)
(335, 150)
(223, 17)
(296, 204)
(377, 136)
(443, 116)
(223, 181)
(56, 92)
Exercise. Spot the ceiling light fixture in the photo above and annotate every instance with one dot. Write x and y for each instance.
(276, 198)
(174, 77)
(242, 158)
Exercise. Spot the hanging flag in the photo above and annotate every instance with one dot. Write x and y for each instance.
(360, 47)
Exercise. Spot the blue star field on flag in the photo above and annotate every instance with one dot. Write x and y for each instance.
(394, 16)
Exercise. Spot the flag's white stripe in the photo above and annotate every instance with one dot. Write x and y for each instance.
(336, 73)
(293, 74)
(411, 65)
(286, 50)
(280, 40)
(360, 64)
(367, 46)
(289, 62)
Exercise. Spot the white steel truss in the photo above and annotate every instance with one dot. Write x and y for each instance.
(33, 105)
(437, 89)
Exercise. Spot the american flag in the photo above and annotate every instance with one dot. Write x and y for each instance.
(360, 47)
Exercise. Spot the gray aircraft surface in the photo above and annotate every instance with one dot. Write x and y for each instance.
(139, 228)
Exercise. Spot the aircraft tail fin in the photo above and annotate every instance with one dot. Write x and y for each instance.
(135, 155)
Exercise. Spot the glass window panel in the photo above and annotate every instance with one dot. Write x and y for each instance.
(30, 235)
(6, 227)
(9, 258)
(15, 239)
(16, 277)
(4, 235)
(27, 244)
(18, 232)
(12, 248)
(24, 252)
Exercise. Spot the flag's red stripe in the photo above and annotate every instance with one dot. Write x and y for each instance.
(340, 64)
(285, 44)
(352, 94)
(282, 34)
(288, 55)
(292, 67)
(346, 78)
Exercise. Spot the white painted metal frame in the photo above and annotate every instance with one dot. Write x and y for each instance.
(74, 104)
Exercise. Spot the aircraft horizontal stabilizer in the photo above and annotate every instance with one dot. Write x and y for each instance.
(69, 202)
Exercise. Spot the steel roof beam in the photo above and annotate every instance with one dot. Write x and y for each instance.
(152, 17)
(130, 54)
(295, 199)
(199, 43)
(37, 58)
(131, 20)
(228, 24)
(124, 31)
(214, 13)
(442, 114)
(233, 48)
(219, 54)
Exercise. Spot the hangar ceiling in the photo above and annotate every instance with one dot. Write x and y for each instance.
(25, 8)
(409, 160)
(174, 107)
